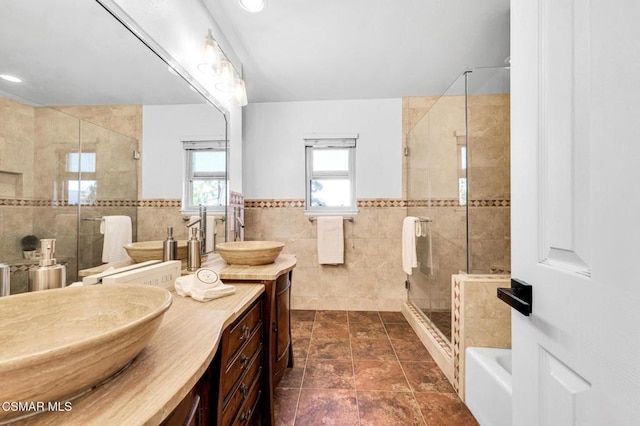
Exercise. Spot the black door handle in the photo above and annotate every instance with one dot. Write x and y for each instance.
(519, 296)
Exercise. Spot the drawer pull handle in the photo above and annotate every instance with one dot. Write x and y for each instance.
(245, 416)
(244, 360)
(244, 332)
(244, 390)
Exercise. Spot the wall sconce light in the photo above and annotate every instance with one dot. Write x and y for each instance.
(226, 79)
(210, 56)
(239, 93)
(251, 5)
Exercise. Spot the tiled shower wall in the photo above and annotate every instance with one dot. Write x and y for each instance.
(33, 147)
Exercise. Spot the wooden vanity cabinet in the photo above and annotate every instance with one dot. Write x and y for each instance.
(282, 351)
(237, 397)
(189, 411)
(277, 340)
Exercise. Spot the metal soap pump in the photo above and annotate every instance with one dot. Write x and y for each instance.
(48, 274)
(194, 259)
(170, 246)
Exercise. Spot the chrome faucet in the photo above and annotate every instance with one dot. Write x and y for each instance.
(203, 228)
(202, 220)
(237, 229)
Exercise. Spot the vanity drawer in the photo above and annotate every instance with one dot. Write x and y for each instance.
(242, 363)
(241, 332)
(244, 392)
(250, 407)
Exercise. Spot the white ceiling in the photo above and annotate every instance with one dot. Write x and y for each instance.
(357, 49)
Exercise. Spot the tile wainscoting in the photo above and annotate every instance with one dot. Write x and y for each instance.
(371, 277)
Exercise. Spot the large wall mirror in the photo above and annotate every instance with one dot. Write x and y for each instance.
(95, 127)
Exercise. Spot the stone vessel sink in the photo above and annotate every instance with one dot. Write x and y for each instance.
(56, 344)
(152, 250)
(250, 252)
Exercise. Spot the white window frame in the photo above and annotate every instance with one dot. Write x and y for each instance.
(315, 142)
(189, 147)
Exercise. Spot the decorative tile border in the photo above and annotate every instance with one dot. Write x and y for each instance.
(433, 331)
(38, 202)
(378, 203)
(237, 199)
(456, 335)
(160, 203)
(24, 202)
(272, 204)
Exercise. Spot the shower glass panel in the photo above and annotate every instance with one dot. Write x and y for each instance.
(436, 189)
(488, 118)
(458, 186)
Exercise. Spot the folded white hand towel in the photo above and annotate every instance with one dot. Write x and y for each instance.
(204, 295)
(183, 285)
(409, 258)
(330, 240)
(189, 286)
(117, 233)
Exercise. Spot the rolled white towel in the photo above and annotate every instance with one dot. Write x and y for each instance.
(191, 286)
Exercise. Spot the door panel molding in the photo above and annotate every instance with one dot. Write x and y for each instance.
(564, 134)
(564, 394)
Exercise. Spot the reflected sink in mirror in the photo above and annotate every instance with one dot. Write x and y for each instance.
(57, 344)
(250, 252)
(152, 250)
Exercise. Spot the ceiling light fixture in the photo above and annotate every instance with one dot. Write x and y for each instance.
(252, 5)
(11, 78)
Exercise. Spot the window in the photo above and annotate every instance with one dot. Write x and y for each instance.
(80, 176)
(205, 180)
(330, 175)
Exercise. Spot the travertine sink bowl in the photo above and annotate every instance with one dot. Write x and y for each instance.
(152, 250)
(55, 344)
(250, 252)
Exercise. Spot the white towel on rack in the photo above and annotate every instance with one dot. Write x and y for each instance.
(330, 240)
(117, 233)
(409, 258)
(211, 230)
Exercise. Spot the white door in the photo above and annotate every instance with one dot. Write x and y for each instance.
(575, 75)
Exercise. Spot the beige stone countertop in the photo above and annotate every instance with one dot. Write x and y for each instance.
(165, 371)
(283, 263)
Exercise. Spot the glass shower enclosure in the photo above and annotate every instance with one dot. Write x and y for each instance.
(458, 187)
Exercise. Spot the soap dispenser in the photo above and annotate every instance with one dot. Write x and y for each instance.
(170, 246)
(194, 245)
(48, 274)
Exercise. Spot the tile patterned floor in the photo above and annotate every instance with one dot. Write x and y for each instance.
(363, 368)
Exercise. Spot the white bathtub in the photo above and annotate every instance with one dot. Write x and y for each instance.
(488, 385)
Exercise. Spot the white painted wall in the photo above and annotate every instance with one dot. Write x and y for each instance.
(273, 165)
(163, 129)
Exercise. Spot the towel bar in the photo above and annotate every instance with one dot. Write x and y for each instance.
(348, 219)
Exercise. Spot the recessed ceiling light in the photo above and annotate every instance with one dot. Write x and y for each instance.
(11, 78)
(252, 5)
